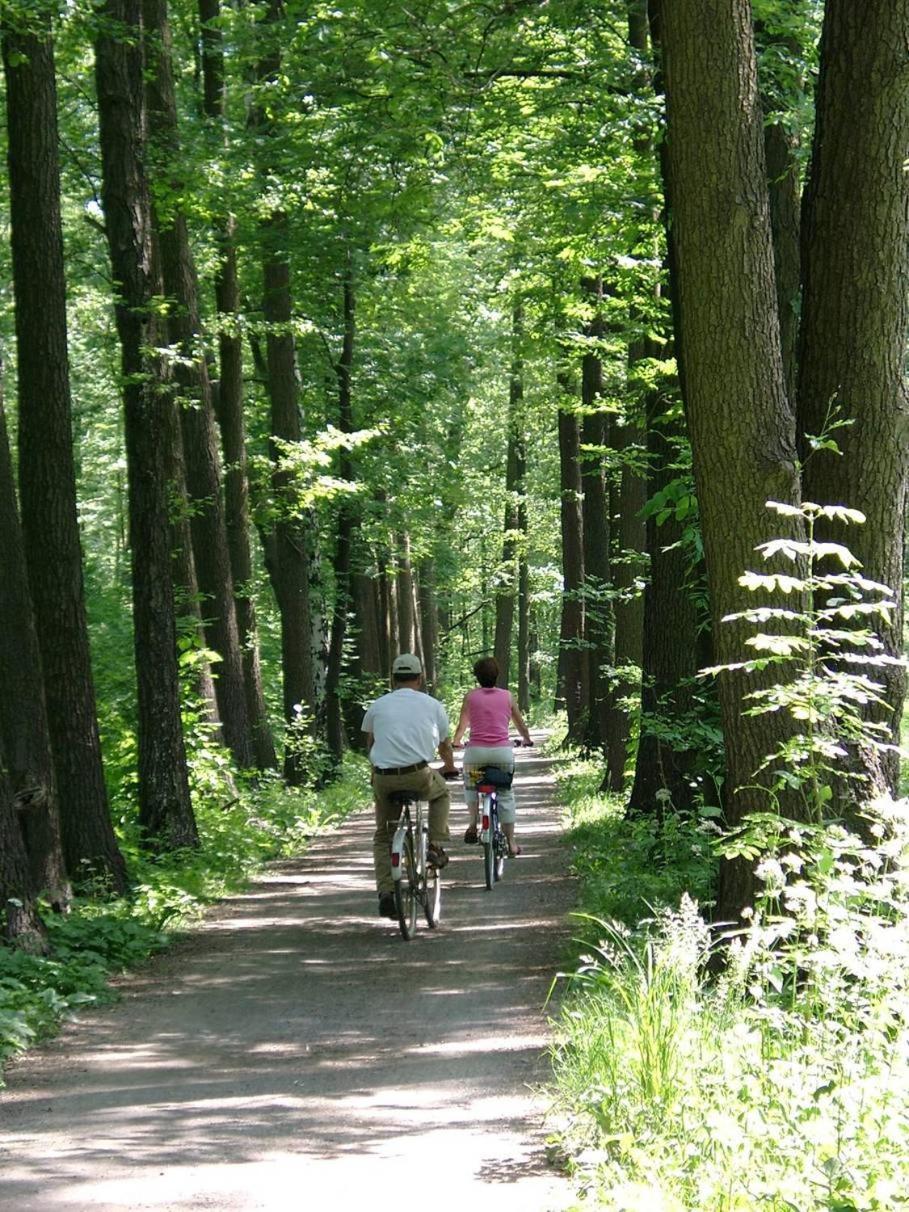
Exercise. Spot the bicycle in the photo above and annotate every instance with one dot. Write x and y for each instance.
(492, 836)
(415, 881)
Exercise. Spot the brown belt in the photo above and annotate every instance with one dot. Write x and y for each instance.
(403, 769)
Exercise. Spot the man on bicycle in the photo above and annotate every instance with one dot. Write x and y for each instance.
(404, 730)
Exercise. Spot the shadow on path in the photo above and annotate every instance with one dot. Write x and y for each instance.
(295, 1046)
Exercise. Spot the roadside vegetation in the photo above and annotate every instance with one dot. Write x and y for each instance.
(715, 1067)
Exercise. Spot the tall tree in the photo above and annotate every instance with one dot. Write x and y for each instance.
(47, 481)
(506, 586)
(165, 809)
(200, 444)
(36, 863)
(229, 401)
(570, 678)
(741, 425)
(344, 530)
(855, 271)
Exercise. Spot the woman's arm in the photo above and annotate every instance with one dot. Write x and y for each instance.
(518, 720)
(462, 724)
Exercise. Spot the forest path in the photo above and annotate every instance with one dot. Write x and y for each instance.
(295, 1049)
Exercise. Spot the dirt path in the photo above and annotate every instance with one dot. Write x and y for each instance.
(295, 1048)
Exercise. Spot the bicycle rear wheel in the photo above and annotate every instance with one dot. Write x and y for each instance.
(406, 890)
(432, 895)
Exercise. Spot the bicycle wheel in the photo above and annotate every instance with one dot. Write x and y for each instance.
(500, 846)
(406, 890)
(432, 895)
(489, 863)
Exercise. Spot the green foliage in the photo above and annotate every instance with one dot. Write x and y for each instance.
(824, 651)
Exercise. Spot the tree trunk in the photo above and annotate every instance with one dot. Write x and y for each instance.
(229, 408)
(664, 762)
(23, 925)
(572, 676)
(741, 426)
(47, 478)
(523, 653)
(505, 586)
(429, 621)
(165, 810)
(407, 623)
(287, 553)
(627, 573)
(855, 258)
(25, 743)
(200, 444)
(187, 599)
(334, 714)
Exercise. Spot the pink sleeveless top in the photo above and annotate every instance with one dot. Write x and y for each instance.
(489, 712)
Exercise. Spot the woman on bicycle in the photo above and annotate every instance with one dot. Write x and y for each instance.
(487, 712)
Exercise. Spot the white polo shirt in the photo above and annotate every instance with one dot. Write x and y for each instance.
(407, 726)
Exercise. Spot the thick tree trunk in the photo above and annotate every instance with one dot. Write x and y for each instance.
(741, 426)
(25, 745)
(200, 443)
(24, 927)
(47, 478)
(165, 810)
(855, 270)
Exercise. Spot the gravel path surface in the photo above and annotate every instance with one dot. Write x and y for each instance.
(295, 1050)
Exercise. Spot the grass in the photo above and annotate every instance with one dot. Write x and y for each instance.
(781, 1085)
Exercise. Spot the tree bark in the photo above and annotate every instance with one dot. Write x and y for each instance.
(165, 810)
(47, 477)
(740, 422)
(25, 745)
(855, 271)
(287, 553)
(335, 732)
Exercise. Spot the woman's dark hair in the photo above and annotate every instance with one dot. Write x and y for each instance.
(486, 671)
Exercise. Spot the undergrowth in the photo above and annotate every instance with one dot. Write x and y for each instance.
(239, 831)
(765, 1067)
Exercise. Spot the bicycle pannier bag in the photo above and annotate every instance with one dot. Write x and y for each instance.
(497, 777)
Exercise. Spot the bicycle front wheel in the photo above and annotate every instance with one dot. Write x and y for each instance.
(406, 890)
(499, 863)
(489, 862)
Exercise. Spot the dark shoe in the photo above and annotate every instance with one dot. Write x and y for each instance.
(514, 851)
(470, 837)
(436, 856)
(387, 907)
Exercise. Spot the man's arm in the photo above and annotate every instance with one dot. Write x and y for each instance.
(446, 753)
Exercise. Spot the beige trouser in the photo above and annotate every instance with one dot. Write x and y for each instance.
(428, 785)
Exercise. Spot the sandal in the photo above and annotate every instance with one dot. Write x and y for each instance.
(470, 837)
(513, 853)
